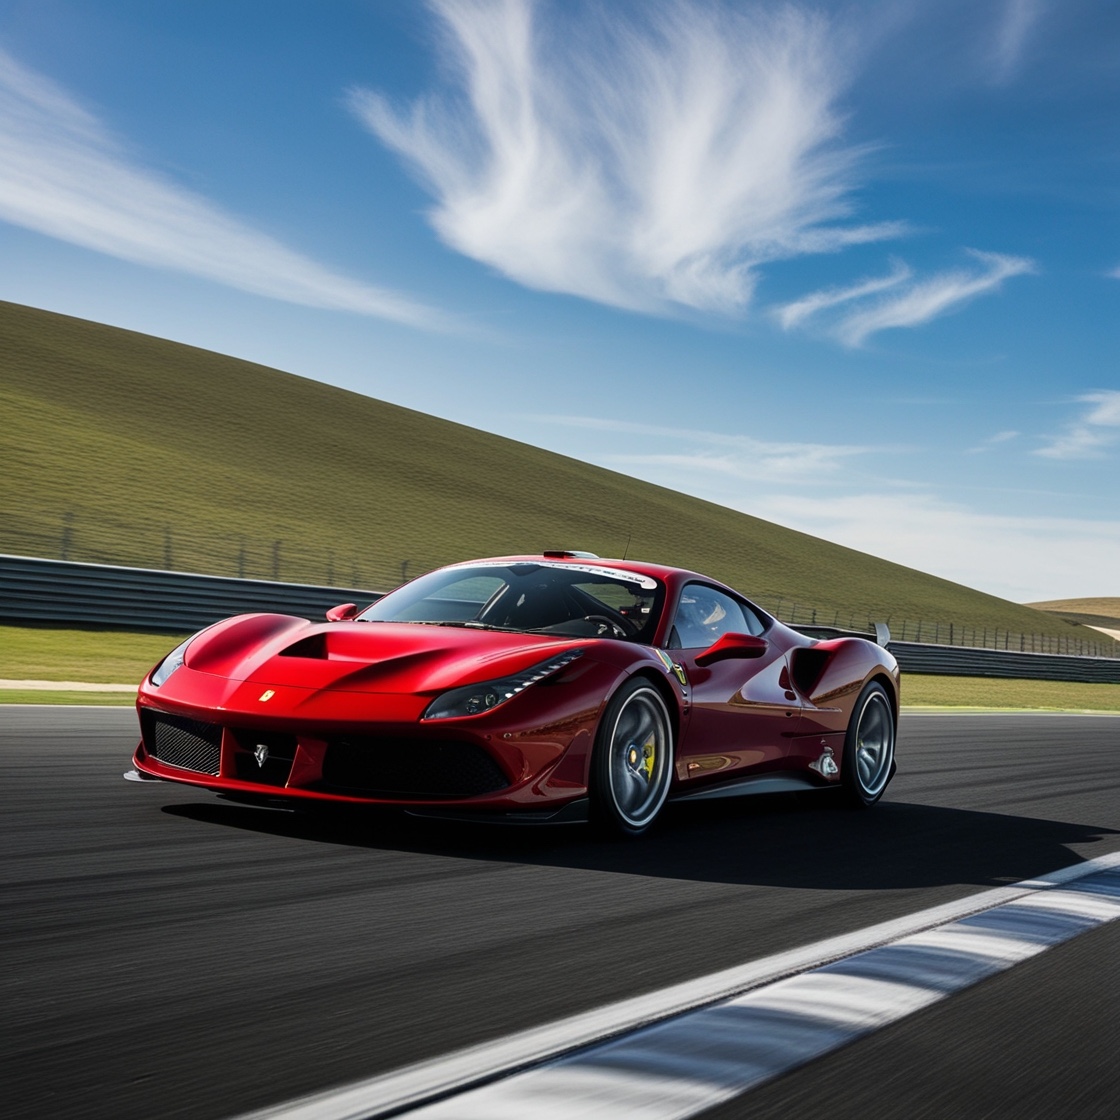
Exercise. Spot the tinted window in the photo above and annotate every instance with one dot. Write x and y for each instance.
(705, 614)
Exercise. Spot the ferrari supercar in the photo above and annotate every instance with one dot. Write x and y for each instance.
(556, 687)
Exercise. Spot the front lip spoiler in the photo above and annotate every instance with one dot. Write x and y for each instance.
(575, 812)
(139, 776)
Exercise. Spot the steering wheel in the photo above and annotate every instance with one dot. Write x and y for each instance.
(611, 627)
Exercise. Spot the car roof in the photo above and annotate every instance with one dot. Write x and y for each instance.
(662, 572)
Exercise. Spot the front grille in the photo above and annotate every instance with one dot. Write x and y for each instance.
(186, 743)
(409, 768)
(269, 766)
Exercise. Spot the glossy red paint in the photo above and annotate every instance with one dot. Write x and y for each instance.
(270, 706)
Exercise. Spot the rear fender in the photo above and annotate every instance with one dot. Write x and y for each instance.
(830, 676)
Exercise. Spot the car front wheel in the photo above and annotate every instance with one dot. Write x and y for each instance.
(632, 764)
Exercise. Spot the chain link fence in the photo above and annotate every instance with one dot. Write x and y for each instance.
(941, 633)
(156, 546)
(75, 537)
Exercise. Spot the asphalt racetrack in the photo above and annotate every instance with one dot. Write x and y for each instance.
(166, 953)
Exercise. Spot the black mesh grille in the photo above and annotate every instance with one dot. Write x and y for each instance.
(186, 743)
(405, 768)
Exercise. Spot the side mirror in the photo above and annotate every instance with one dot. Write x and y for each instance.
(733, 645)
(342, 613)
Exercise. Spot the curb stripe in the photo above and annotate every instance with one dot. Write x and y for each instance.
(685, 1066)
(678, 1051)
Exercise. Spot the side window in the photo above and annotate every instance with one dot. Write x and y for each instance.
(705, 614)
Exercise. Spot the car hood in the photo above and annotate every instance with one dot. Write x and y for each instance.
(381, 657)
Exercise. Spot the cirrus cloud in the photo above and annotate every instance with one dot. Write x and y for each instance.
(1093, 434)
(1016, 22)
(900, 300)
(722, 453)
(1022, 558)
(64, 175)
(641, 165)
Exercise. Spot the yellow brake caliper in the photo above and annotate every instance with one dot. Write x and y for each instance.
(643, 761)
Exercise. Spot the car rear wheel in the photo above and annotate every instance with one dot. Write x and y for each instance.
(868, 763)
(632, 764)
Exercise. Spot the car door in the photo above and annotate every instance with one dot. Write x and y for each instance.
(742, 711)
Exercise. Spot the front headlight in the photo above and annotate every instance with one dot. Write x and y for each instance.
(170, 663)
(478, 698)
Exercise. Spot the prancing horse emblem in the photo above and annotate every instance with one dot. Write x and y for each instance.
(261, 754)
(268, 694)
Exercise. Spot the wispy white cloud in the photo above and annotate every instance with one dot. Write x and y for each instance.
(856, 496)
(823, 490)
(793, 314)
(1016, 22)
(64, 175)
(1091, 436)
(898, 300)
(695, 451)
(639, 165)
(929, 299)
(1022, 558)
(997, 440)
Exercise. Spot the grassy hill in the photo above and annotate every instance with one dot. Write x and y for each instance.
(1089, 612)
(121, 448)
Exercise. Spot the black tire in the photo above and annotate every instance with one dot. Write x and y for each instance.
(632, 763)
(868, 763)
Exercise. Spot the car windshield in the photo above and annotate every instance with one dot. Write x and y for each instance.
(576, 600)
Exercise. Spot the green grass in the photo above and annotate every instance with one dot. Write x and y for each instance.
(95, 699)
(1102, 606)
(1102, 611)
(990, 692)
(116, 657)
(94, 656)
(125, 449)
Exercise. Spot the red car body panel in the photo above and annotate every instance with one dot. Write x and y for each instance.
(280, 707)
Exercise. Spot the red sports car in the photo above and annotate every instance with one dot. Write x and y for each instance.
(555, 687)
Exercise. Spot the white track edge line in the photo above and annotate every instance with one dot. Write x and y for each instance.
(423, 1081)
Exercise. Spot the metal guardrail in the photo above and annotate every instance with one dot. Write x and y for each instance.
(972, 661)
(68, 593)
(964, 661)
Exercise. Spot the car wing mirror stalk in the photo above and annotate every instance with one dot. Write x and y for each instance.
(342, 613)
(733, 645)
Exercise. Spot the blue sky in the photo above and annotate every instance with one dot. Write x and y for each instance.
(854, 268)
